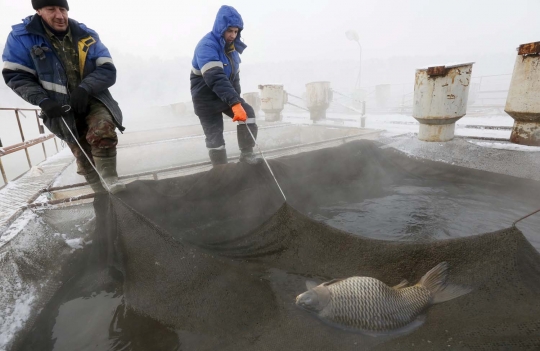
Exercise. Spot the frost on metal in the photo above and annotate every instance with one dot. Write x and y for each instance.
(273, 100)
(523, 102)
(440, 99)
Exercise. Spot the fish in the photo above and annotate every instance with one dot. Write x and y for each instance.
(369, 306)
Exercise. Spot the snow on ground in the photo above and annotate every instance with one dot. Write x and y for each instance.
(75, 244)
(15, 316)
(17, 226)
(506, 146)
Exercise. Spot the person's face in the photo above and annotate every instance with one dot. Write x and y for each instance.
(55, 16)
(231, 34)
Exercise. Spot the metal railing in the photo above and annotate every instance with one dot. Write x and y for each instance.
(25, 144)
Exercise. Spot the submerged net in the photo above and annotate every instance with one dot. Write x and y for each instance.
(219, 259)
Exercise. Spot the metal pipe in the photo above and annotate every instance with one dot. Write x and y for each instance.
(22, 137)
(61, 201)
(359, 81)
(24, 146)
(208, 163)
(18, 109)
(41, 131)
(4, 176)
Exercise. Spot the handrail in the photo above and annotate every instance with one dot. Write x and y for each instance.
(25, 144)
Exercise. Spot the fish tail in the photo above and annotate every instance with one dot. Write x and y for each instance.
(436, 281)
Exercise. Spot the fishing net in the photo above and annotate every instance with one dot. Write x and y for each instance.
(218, 258)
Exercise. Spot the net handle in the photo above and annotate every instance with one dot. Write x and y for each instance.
(527, 216)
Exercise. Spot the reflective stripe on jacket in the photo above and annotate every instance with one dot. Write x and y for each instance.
(34, 71)
(215, 80)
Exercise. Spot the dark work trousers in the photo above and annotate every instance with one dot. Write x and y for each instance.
(212, 123)
(98, 137)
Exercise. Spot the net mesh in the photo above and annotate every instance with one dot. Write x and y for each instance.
(219, 259)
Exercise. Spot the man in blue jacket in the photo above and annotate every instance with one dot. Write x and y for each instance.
(215, 87)
(62, 66)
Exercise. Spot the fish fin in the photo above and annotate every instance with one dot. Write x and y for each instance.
(436, 281)
(310, 284)
(333, 281)
(450, 292)
(404, 283)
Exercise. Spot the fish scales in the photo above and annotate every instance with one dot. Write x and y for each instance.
(379, 307)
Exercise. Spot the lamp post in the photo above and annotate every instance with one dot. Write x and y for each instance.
(353, 36)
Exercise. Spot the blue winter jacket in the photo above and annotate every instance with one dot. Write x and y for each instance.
(34, 71)
(215, 79)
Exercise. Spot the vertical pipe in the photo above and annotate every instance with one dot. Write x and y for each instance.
(41, 132)
(3, 172)
(55, 144)
(22, 137)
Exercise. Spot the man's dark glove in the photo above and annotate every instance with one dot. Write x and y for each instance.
(79, 101)
(52, 109)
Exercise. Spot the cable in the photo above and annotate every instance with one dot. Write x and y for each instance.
(527, 216)
(267, 164)
(80, 147)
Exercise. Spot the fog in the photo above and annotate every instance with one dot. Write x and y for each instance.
(297, 42)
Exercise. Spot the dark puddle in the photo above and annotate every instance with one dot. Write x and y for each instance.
(89, 313)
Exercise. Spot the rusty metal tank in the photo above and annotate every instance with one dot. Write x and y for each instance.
(318, 98)
(254, 100)
(523, 101)
(273, 100)
(440, 99)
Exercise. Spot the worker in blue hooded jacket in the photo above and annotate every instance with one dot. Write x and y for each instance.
(215, 88)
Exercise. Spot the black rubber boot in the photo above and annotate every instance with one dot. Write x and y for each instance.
(249, 157)
(106, 166)
(246, 143)
(218, 157)
(95, 182)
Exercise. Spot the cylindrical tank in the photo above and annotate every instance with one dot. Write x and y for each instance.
(318, 98)
(440, 99)
(273, 100)
(383, 93)
(254, 100)
(523, 101)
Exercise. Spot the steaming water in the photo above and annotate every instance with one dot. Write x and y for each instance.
(84, 316)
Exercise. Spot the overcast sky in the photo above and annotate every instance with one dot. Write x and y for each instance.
(283, 30)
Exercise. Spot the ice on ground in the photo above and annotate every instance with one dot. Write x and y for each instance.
(14, 317)
(506, 146)
(75, 244)
(17, 227)
(35, 171)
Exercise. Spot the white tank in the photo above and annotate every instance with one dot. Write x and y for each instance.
(523, 101)
(440, 99)
(383, 93)
(273, 100)
(254, 100)
(318, 98)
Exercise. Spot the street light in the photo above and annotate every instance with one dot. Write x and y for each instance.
(353, 36)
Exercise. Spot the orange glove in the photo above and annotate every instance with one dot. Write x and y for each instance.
(240, 114)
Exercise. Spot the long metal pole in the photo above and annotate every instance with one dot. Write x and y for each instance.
(265, 161)
(359, 81)
(22, 137)
(4, 176)
(39, 131)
